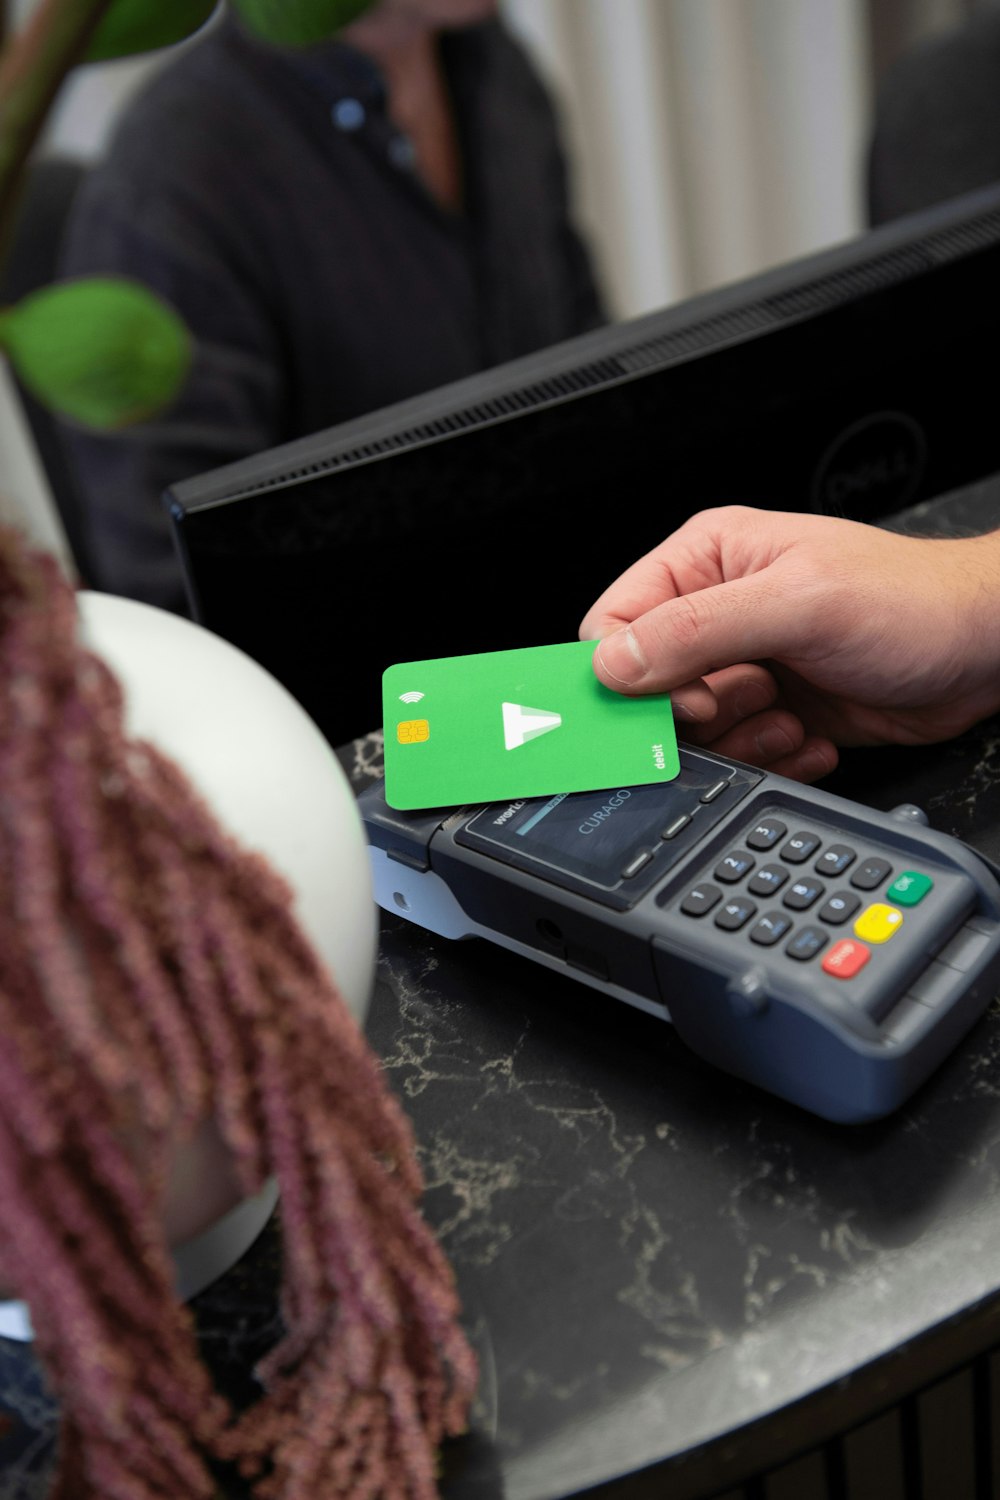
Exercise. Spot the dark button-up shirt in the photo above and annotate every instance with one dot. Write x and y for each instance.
(270, 198)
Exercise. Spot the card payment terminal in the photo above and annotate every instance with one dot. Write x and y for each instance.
(827, 952)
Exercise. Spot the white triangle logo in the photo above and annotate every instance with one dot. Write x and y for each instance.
(521, 724)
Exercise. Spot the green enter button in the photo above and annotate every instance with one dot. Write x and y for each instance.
(909, 887)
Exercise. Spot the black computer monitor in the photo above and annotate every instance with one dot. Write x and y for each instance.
(490, 513)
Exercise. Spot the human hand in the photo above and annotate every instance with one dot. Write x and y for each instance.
(781, 636)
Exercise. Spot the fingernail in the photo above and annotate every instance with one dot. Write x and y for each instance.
(620, 658)
(752, 698)
(681, 711)
(774, 742)
(813, 765)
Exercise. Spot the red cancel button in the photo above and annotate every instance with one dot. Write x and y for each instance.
(845, 958)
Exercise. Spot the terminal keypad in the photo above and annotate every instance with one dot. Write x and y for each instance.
(808, 894)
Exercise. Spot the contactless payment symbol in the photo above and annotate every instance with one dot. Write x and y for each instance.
(521, 724)
(489, 731)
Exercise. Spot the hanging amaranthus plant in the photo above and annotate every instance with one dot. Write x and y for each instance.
(152, 974)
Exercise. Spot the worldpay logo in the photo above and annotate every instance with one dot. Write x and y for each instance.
(872, 467)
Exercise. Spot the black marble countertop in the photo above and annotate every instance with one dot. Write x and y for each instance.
(673, 1280)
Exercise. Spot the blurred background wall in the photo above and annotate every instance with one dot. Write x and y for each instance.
(710, 138)
(716, 137)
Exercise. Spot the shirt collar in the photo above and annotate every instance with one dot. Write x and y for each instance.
(333, 68)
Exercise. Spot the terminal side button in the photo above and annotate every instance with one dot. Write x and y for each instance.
(747, 994)
(409, 858)
(587, 960)
(673, 829)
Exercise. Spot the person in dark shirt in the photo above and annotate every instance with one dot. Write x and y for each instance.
(341, 228)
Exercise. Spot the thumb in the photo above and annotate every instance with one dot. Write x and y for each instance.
(686, 638)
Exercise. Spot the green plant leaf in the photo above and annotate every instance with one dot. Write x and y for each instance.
(103, 352)
(143, 25)
(298, 23)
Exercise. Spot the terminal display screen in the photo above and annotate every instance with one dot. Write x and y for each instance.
(594, 836)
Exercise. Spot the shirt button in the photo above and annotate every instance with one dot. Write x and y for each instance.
(402, 152)
(348, 114)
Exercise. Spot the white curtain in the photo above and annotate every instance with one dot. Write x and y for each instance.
(709, 138)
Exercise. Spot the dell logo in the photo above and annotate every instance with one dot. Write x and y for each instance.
(871, 468)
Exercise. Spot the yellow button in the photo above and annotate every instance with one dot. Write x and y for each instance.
(878, 922)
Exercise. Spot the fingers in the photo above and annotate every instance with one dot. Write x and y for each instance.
(776, 741)
(689, 637)
(689, 559)
(640, 588)
(874, 638)
(749, 724)
(736, 693)
(814, 759)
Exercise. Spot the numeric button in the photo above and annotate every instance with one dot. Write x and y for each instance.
(806, 943)
(835, 859)
(735, 914)
(800, 847)
(700, 900)
(768, 879)
(766, 834)
(770, 928)
(734, 865)
(870, 873)
(841, 905)
(803, 893)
